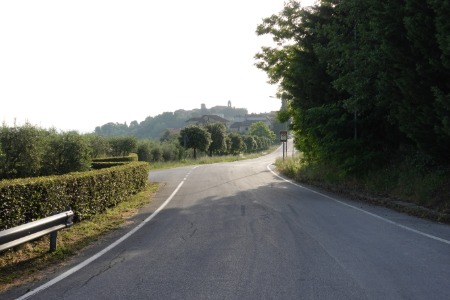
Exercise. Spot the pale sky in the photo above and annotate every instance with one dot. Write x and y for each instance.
(75, 65)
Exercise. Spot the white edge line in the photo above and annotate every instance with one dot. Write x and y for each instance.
(362, 210)
(99, 254)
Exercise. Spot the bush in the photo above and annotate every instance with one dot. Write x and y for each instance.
(107, 164)
(144, 151)
(66, 152)
(123, 146)
(30, 151)
(22, 150)
(86, 193)
(130, 158)
(170, 151)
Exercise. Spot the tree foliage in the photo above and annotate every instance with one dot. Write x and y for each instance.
(250, 143)
(66, 152)
(262, 130)
(218, 133)
(123, 145)
(99, 145)
(365, 81)
(30, 151)
(195, 137)
(236, 144)
(22, 150)
(156, 127)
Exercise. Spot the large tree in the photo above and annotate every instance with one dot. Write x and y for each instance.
(236, 143)
(195, 137)
(318, 119)
(218, 133)
(250, 143)
(262, 130)
(364, 80)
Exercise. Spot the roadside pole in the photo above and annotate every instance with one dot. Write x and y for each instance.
(283, 139)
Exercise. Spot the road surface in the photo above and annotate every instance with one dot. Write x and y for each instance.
(239, 231)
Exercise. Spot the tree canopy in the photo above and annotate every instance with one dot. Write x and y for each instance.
(156, 127)
(261, 129)
(195, 137)
(364, 81)
(218, 133)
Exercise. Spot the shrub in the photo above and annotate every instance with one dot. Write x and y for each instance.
(22, 151)
(86, 193)
(66, 152)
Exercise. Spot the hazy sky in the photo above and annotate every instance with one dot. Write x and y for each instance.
(75, 65)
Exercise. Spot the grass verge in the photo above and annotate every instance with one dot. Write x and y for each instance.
(208, 160)
(401, 187)
(24, 263)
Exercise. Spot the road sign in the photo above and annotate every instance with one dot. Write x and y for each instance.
(283, 135)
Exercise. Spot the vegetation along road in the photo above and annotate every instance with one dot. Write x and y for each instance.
(239, 231)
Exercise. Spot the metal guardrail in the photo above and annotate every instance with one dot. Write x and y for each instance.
(15, 236)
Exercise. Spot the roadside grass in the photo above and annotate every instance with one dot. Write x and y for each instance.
(402, 187)
(23, 264)
(208, 160)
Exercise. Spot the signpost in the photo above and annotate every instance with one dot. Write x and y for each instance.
(283, 139)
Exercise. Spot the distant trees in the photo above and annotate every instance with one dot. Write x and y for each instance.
(150, 128)
(261, 129)
(122, 145)
(29, 151)
(214, 139)
(168, 136)
(156, 127)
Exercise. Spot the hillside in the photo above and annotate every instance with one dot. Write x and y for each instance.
(154, 127)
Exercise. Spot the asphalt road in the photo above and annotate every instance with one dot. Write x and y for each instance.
(238, 231)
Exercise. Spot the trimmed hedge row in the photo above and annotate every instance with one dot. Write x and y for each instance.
(129, 158)
(106, 164)
(86, 193)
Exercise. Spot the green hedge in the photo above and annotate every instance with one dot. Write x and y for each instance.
(129, 158)
(106, 164)
(86, 193)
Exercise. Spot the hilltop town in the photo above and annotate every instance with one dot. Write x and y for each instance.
(235, 119)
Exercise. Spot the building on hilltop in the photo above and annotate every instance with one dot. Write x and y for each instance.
(242, 124)
(241, 127)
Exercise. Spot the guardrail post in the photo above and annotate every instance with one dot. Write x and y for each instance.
(12, 237)
(54, 234)
(53, 237)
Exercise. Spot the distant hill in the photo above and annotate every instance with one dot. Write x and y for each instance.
(154, 127)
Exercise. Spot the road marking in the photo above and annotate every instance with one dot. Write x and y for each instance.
(110, 247)
(362, 210)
